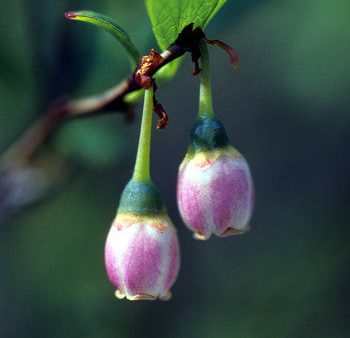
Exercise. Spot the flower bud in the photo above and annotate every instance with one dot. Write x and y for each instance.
(142, 252)
(215, 189)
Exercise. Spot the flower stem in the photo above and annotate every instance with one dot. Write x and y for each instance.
(205, 96)
(142, 164)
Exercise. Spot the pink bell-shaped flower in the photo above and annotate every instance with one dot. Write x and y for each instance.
(215, 189)
(142, 251)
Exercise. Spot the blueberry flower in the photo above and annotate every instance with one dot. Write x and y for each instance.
(215, 188)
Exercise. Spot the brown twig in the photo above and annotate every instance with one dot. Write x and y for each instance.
(110, 101)
(113, 99)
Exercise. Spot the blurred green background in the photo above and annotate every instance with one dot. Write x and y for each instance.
(286, 109)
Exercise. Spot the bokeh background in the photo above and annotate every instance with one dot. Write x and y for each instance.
(286, 109)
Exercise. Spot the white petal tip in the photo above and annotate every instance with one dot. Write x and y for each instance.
(200, 236)
(119, 294)
(166, 295)
(141, 297)
(231, 232)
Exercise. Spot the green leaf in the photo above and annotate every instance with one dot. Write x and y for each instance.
(170, 17)
(110, 26)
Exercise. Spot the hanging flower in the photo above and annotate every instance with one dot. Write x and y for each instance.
(142, 251)
(215, 188)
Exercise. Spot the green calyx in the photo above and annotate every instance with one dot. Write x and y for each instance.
(208, 133)
(141, 198)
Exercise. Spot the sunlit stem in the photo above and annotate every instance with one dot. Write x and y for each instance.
(205, 96)
(142, 164)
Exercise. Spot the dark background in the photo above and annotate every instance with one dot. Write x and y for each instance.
(286, 109)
